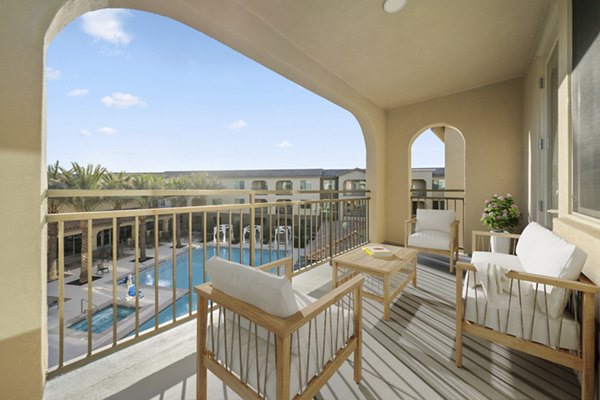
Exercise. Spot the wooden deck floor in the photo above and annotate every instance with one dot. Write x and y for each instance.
(409, 357)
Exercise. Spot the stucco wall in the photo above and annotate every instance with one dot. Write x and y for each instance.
(454, 153)
(490, 120)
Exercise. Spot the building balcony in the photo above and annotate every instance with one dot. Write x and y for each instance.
(409, 356)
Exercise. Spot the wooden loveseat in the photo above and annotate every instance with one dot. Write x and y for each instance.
(535, 300)
(265, 340)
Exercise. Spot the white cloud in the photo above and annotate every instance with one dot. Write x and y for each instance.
(52, 74)
(284, 145)
(106, 25)
(122, 100)
(85, 132)
(105, 130)
(78, 92)
(238, 124)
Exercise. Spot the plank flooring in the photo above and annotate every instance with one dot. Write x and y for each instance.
(409, 357)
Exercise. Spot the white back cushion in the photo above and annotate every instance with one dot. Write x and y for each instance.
(549, 255)
(554, 257)
(434, 220)
(272, 294)
(528, 239)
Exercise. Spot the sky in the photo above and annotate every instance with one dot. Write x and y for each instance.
(135, 91)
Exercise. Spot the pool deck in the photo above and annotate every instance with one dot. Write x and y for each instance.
(75, 341)
(102, 296)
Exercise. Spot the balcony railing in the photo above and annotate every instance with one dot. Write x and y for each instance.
(168, 250)
(441, 199)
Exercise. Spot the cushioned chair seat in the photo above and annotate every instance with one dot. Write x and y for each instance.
(299, 359)
(430, 239)
(476, 304)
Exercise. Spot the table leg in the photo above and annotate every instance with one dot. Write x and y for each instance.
(386, 296)
(414, 272)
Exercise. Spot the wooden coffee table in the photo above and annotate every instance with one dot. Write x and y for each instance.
(384, 277)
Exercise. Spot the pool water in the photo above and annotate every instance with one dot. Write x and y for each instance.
(103, 319)
(165, 275)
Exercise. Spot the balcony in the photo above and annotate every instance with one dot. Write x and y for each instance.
(166, 254)
(409, 356)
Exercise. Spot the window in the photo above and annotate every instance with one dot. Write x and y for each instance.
(239, 185)
(263, 209)
(438, 184)
(329, 184)
(72, 245)
(354, 184)
(305, 205)
(217, 202)
(239, 201)
(284, 185)
(259, 185)
(305, 185)
(285, 209)
(439, 204)
(586, 102)
(104, 238)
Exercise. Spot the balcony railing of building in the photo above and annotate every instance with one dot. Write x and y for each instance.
(441, 199)
(169, 248)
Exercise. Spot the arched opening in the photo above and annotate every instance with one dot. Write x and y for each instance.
(118, 101)
(437, 157)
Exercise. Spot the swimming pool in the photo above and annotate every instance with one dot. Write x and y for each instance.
(165, 275)
(103, 319)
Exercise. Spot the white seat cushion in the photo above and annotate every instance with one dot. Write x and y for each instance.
(478, 310)
(434, 220)
(272, 294)
(481, 260)
(430, 240)
(300, 360)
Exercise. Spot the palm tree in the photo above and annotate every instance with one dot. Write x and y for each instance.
(55, 181)
(203, 181)
(179, 183)
(145, 182)
(117, 181)
(199, 181)
(89, 177)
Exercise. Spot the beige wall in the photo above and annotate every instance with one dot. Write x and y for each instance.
(490, 120)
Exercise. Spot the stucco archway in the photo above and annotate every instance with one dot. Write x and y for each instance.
(440, 188)
(28, 26)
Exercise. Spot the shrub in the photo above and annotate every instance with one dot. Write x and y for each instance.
(500, 213)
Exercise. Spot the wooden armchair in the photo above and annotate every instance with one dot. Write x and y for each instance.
(260, 355)
(549, 317)
(433, 231)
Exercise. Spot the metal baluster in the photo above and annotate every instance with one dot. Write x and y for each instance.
(267, 362)
(533, 317)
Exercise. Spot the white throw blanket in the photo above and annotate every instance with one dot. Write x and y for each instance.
(492, 279)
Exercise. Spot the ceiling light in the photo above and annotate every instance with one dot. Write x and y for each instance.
(393, 6)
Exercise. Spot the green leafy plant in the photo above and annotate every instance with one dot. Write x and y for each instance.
(500, 213)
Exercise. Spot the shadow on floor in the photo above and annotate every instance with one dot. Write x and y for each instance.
(161, 381)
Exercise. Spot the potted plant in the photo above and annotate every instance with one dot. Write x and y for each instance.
(500, 214)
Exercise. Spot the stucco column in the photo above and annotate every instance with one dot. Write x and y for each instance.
(22, 175)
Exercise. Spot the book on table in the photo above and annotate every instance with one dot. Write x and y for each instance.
(377, 251)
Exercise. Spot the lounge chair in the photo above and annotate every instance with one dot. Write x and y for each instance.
(265, 340)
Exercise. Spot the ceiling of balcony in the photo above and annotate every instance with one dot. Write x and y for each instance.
(429, 49)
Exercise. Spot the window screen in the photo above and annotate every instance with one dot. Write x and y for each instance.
(586, 107)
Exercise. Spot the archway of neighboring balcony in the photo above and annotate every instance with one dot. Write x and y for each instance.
(437, 156)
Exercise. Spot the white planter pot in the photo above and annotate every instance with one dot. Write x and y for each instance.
(500, 244)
